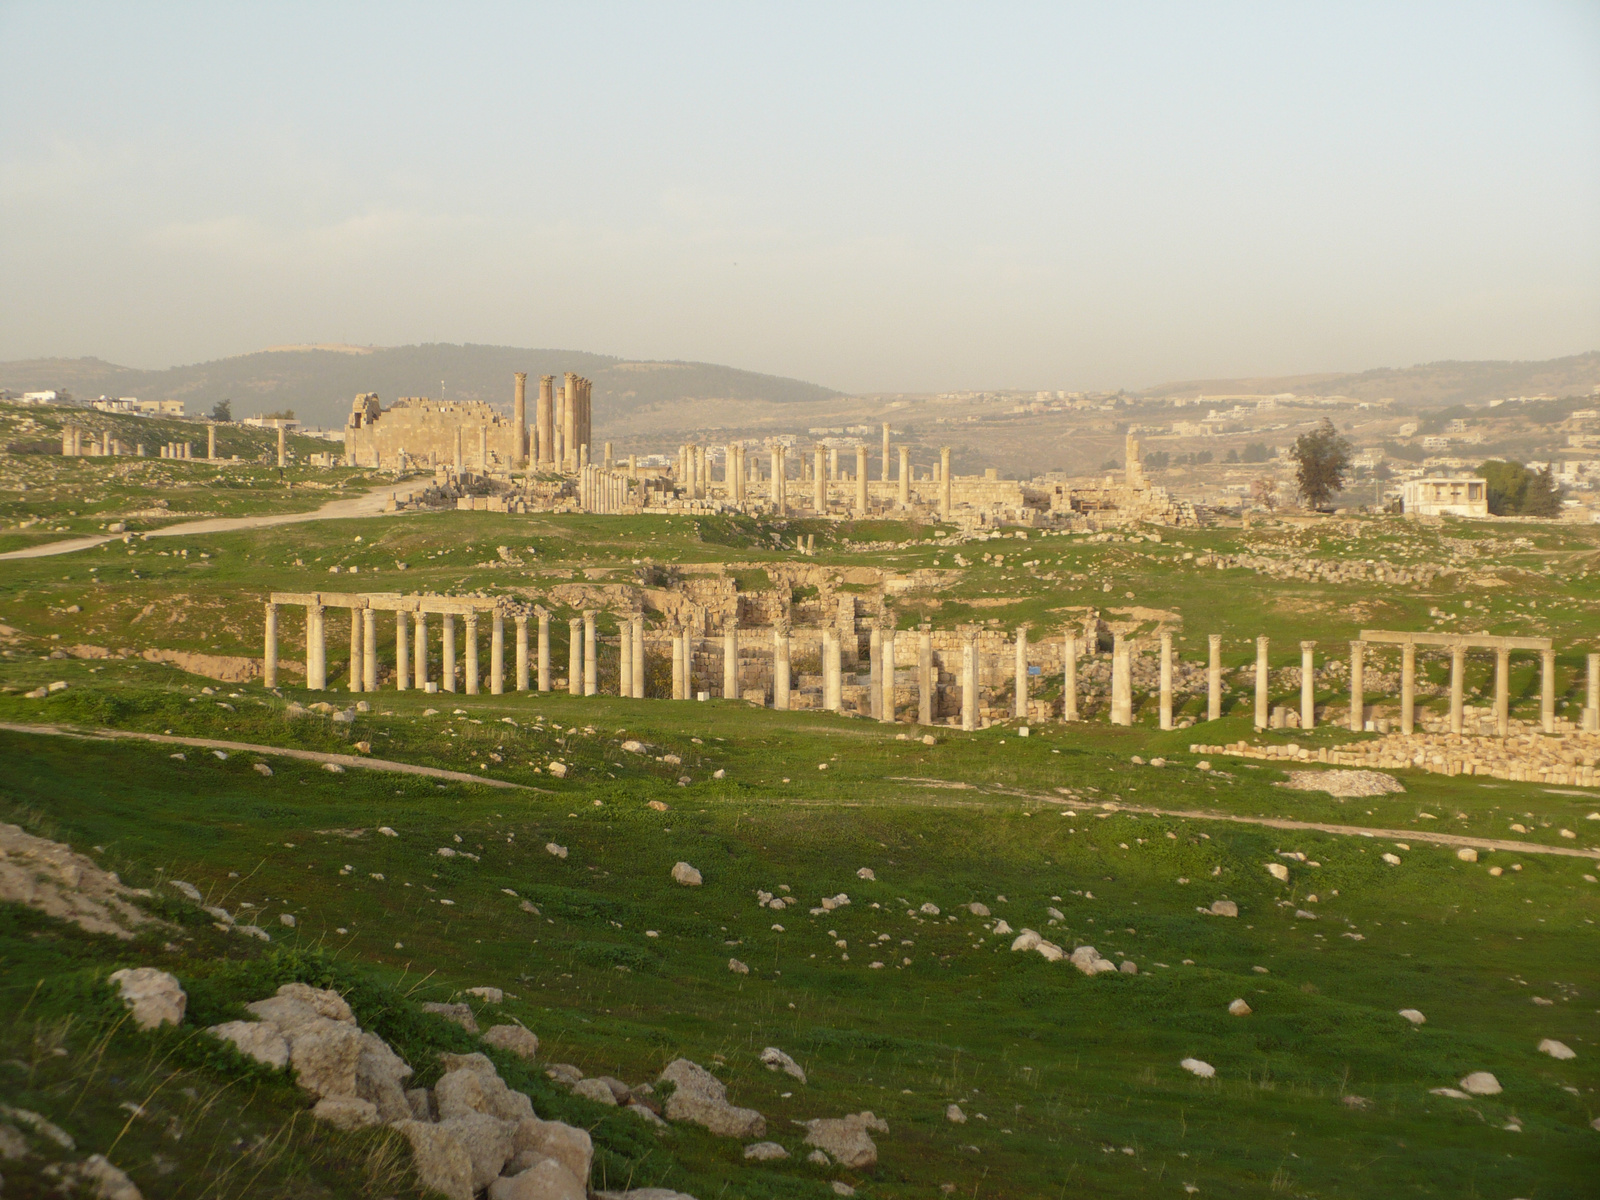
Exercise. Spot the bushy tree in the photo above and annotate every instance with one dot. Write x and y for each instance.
(1518, 491)
(1157, 460)
(1322, 457)
(222, 410)
(1256, 452)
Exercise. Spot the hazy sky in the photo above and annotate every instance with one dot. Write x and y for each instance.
(874, 197)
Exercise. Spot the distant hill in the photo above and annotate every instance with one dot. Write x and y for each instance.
(319, 382)
(1429, 384)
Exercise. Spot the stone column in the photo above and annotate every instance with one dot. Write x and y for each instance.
(211, 446)
(544, 650)
(461, 464)
(569, 421)
(1308, 685)
(1069, 678)
(1547, 690)
(369, 650)
(283, 450)
(471, 620)
(905, 476)
(638, 658)
(447, 638)
(833, 464)
(1263, 683)
(781, 679)
(497, 654)
(519, 417)
(483, 449)
(1408, 686)
(819, 482)
(886, 452)
(544, 421)
(861, 479)
(1166, 680)
(355, 649)
(1021, 707)
(886, 705)
(969, 681)
(1121, 682)
(269, 659)
(575, 656)
(1358, 686)
(1502, 691)
(591, 656)
(944, 483)
(419, 655)
(730, 659)
(1591, 709)
(874, 670)
(316, 649)
(625, 658)
(925, 687)
(402, 652)
(688, 664)
(677, 666)
(1458, 686)
(1214, 678)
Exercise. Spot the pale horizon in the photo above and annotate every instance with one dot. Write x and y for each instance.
(876, 200)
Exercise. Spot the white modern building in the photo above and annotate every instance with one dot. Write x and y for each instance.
(1434, 496)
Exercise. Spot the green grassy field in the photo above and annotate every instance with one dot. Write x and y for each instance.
(1324, 1091)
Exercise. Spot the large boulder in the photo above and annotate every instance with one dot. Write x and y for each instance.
(513, 1039)
(488, 1141)
(324, 1054)
(260, 1040)
(155, 997)
(568, 1145)
(380, 1078)
(470, 1084)
(441, 1161)
(700, 1098)
(297, 1004)
(346, 1112)
(846, 1138)
(547, 1179)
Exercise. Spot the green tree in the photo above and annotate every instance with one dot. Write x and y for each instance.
(1157, 460)
(1321, 459)
(1256, 452)
(222, 410)
(1508, 485)
(1543, 497)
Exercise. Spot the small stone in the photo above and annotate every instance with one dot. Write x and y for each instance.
(513, 1039)
(1196, 1067)
(1481, 1083)
(1467, 854)
(819, 1159)
(261, 768)
(765, 1152)
(489, 995)
(346, 1112)
(953, 1114)
(1392, 859)
(1280, 872)
(977, 909)
(737, 967)
(777, 1060)
(459, 1014)
(866, 873)
(595, 1089)
(1227, 908)
(557, 851)
(1414, 1016)
(1239, 1008)
(155, 996)
(685, 874)
(1556, 1049)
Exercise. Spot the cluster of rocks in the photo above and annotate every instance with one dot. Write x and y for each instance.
(1566, 760)
(1086, 958)
(97, 1175)
(1337, 570)
(52, 878)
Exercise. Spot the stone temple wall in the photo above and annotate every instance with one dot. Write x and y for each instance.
(426, 431)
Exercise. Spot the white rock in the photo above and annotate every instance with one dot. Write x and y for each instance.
(1196, 1067)
(1453, 1093)
(765, 1152)
(1481, 1083)
(685, 874)
(470, 1084)
(557, 851)
(488, 1141)
(1026, 940)
(597, 1090)
(261, 768)
(865, 873)
(386, 831)
(1227, 908)
(441, 1161)
(737, 967)
(633, 747)
(1239, 1008)
(953, 1114)
(490, 995)
(155, 996)
(977, 909)
(1278, 871)
(1556, 1049)
(110, 1183)
(558, 769)
(1001, 928)
(1412, 1015)
(1392, 859)
(287, 919)
(846, 1139)
(700, 1098)
(777, 1060)
(513, 1039)
(260, 1040)
(187, 889)
(1467, 854)
(546, 1179)
(568, 1145)
(346, 1112)
(929, 909)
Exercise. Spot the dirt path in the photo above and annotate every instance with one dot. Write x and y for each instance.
(369, 504)
(343, 760)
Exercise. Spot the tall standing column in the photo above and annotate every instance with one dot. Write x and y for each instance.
(369, 650)
(447, 639)
(925, 675)
(1408, 686)
(833, 464)
(905, 476)
(1308, 685)
(544, 420)
(874, 670)
(1166, 680)
(969, 681)
(1547, 690)
(591, 656)
(1021, 707)
(638, 658)
(544, 649)
(419, 655)
(688, 664)
(316, 649)
(211, 442)
(730, 659)
(886, 452)
(1263, 682)
(575, 656)
(1121, 683)
(886, 705)
(625, 658)
(1502, 691)
(819, 482)
(569, 423)
(497, 654)
(519, 417)
(269, 659)
(1591, 710)
(1458, 687)
(402, 652)
(944, 483)
(781, 679)
(283, 450)
(1069, 678)
(471, 622)
(1214, 678)
(861, 479)
(1358, 686)
(355, 649)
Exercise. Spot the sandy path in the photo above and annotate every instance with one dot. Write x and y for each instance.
(343, 760)
(369, 504)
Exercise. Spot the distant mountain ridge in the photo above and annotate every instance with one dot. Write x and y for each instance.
(319, 382)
